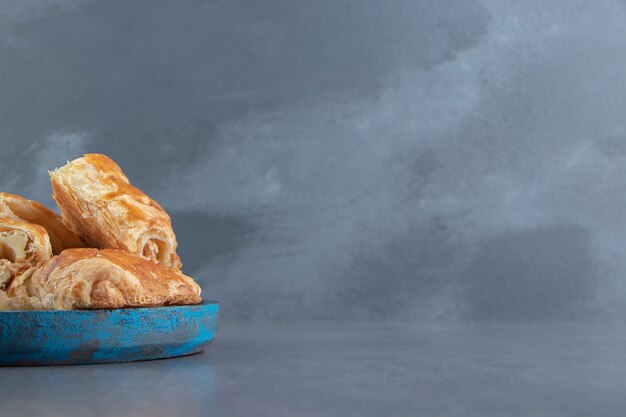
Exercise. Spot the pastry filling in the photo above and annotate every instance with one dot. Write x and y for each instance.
(151, 250)
(154, 250)
(14, 245)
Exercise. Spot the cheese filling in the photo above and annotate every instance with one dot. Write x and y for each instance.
(151, 250)
(14, 245)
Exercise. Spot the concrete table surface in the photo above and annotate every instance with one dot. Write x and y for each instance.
(349, 369)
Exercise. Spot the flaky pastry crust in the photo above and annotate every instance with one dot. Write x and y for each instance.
(99, 279)
(98, 202)
(17, 208)
(22, 246)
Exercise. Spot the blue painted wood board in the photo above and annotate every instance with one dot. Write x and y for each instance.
(102, 336)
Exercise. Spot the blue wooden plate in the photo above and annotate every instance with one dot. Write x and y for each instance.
(101, 336)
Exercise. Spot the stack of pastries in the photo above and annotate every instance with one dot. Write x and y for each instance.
(112, 246)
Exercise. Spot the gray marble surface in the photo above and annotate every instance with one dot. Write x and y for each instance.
(348, 369)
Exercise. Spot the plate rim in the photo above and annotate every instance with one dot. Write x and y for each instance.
(203, 303)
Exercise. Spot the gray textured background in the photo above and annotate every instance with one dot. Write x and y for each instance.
(354, 159)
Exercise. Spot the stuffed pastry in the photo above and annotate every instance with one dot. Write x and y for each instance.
(88, 278)
(22, 246)
(98, 203)
(16, 208)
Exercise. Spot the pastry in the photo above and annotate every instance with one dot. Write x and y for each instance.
(22, 246)
(88, 278)
(16, 208)
(98, 203)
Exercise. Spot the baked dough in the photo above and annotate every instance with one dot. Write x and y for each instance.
(22, 246)
(16, 208)
(98, 202)
(96, 279)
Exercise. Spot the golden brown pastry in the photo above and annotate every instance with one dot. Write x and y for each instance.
(14, 207)
(22, 246)
(98, 202)
(94, 279)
